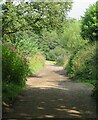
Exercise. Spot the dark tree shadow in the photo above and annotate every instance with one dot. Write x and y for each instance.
(47, 102)
(60, 100)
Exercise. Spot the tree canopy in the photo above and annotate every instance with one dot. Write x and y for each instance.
(33, 16)
(89, 27)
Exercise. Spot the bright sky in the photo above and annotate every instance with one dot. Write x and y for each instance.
(79, 7)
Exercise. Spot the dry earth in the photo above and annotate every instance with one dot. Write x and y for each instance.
(50, 94)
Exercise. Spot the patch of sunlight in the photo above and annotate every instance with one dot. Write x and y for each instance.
(68, 110)
(42, 102)
(40, 108)
(43, 88)
(61, 88)
(76, 115)
(49, 116)
(5, 104)
(47, 87)
(60, 99)
(62, 106)
(61, 109)
(52, 62)
(74, 111)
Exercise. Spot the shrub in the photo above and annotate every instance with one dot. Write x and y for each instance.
(48, 41)
(95, 90)
(71, 39)
(14, 72)
(82, 65)
(26, 42)
(56, 53)
(15, 67)
(10, 91)
(89, 26)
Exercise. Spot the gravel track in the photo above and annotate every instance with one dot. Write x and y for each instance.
(50, 94)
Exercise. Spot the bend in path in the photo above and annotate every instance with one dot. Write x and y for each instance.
(50, 94)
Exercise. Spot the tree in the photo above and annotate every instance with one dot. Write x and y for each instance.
(49, 15)
(33, 16)
(11, 21)
(89, 26)
(71, 39)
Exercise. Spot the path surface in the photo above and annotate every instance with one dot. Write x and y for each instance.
(50, 94)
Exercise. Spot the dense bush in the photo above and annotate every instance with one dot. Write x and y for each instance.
(56, 53)
(10, 91)
(14, 72)
(89, 31)
(95, 90)
(82, 65)
(26, 42)
(89, 26)
(62, 60)
(15, 67)
(71, 39)
(48, 41)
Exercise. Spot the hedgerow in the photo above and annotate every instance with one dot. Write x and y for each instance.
(14, 70)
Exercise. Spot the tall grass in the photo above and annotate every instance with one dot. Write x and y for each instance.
(36, 62)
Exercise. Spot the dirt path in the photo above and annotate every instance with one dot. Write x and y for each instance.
(50, 94)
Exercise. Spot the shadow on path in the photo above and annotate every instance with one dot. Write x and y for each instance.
(52, 95)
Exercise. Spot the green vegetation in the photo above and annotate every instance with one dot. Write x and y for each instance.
(10, 92)
(36, 62)
(82, 65)
(33, 32)
(14, 71)
(89, 23)
(29, 33)
(15, 67)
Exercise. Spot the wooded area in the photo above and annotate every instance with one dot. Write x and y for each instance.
(33, 32)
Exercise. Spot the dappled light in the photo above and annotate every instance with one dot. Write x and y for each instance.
(49, 61)
(53, 98)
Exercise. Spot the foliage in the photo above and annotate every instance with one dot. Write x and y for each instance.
(33, 16)
(37, 62)
(37, 28)
(70, 38)
(70, 41)
(10, 91)
(26, 42)
(56, 53)
(95, 90)
(49, 15)
(89, 26)
(11, 21)
(62, 61)
(15, 67)
(82, 65)
(48, 41)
